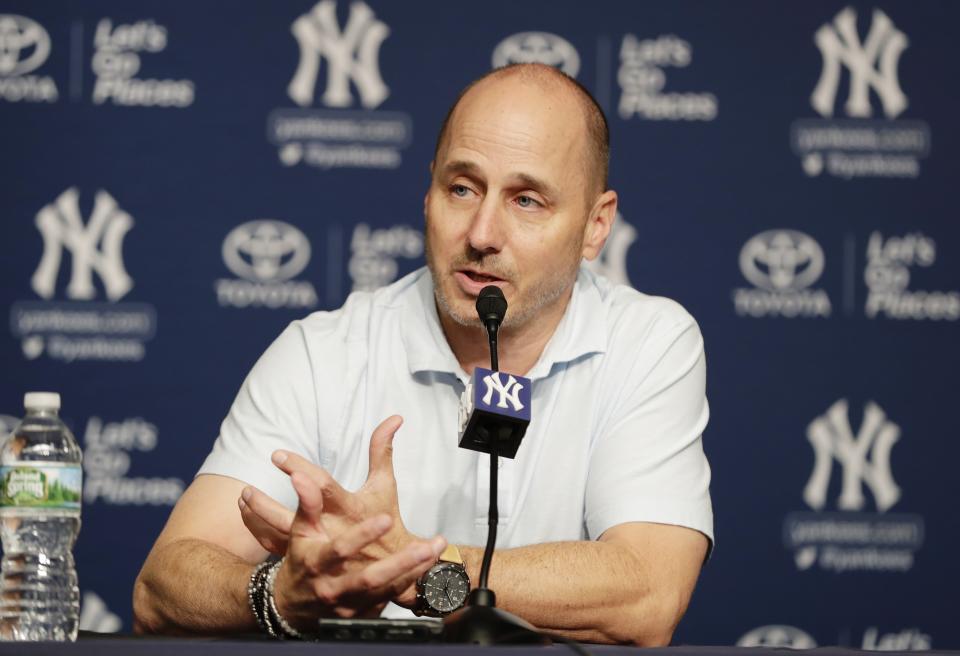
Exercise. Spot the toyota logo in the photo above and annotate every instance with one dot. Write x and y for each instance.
(24, 45)
(782, 260)
(537, 48)
(266, 251)
(777, 636)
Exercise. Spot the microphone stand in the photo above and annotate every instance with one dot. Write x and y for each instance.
(480, 621)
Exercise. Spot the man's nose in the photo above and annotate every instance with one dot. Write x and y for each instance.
(486, 229)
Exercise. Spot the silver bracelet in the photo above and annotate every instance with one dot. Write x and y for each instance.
(286, 631)
(255, 596)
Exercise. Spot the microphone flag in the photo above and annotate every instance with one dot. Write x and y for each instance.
(495, 409)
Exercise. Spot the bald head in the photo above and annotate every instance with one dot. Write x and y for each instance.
(551, 80)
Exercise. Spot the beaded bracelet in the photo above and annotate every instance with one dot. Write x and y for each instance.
(256, 597)
(286, 631)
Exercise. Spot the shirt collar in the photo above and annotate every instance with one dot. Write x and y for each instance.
(581, 331)
(426, 345)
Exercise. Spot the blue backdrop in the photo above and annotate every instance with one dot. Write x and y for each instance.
(181, 180)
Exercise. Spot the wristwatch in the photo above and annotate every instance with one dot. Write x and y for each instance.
(444, 587)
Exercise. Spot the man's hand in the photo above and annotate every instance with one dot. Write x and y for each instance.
(268, 520)
(271, 523)
(328, 575)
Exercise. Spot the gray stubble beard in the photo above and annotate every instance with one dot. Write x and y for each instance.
(543, 296)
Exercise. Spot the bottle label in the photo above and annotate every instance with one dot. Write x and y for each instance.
(40, 485)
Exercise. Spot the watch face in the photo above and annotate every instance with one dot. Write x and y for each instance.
(445, 587)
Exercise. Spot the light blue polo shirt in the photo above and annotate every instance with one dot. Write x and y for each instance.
(618, 411)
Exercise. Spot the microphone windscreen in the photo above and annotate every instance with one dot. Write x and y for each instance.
(491, 304)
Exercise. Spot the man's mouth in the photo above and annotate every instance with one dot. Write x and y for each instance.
(476, 276)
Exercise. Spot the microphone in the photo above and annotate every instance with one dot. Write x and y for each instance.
(495, 426)
(495, 408)
(491, 306)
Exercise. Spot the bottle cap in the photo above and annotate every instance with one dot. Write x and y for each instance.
(41, 401)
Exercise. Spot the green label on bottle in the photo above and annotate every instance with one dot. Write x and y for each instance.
(40, 485)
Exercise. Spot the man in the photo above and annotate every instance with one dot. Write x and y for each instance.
(605, 512)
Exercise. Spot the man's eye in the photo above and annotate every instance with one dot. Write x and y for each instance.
(526, 202)
(460, 191)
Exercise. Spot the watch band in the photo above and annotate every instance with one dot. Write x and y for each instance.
(451, 555)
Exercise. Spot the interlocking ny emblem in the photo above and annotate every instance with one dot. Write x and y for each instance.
(352, 54)
(62, 227)
(872, 65)
(509, 392)
(832, 438)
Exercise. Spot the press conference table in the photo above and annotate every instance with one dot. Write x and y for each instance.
(136, 646)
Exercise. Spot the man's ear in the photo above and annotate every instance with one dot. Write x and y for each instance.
(599, 224)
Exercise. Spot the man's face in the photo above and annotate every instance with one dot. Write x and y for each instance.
(507, 203)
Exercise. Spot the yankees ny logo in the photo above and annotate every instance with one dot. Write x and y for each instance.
(62, 227)
(840, 43)
(832, 438)
(351, 55)
(509, 392)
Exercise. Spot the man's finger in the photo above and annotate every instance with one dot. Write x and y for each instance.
(289, 462)
(269, 538)
(381, 446)
(308, 520)
(415, 558)
(267, 509)
(405, 581)
(349, 543)
(332, 557)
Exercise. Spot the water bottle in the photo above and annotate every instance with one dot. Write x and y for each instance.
(40, 486)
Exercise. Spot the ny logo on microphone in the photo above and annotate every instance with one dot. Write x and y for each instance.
(494, 412)
(509, 392)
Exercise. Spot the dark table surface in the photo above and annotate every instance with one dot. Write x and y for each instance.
(92, 644)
